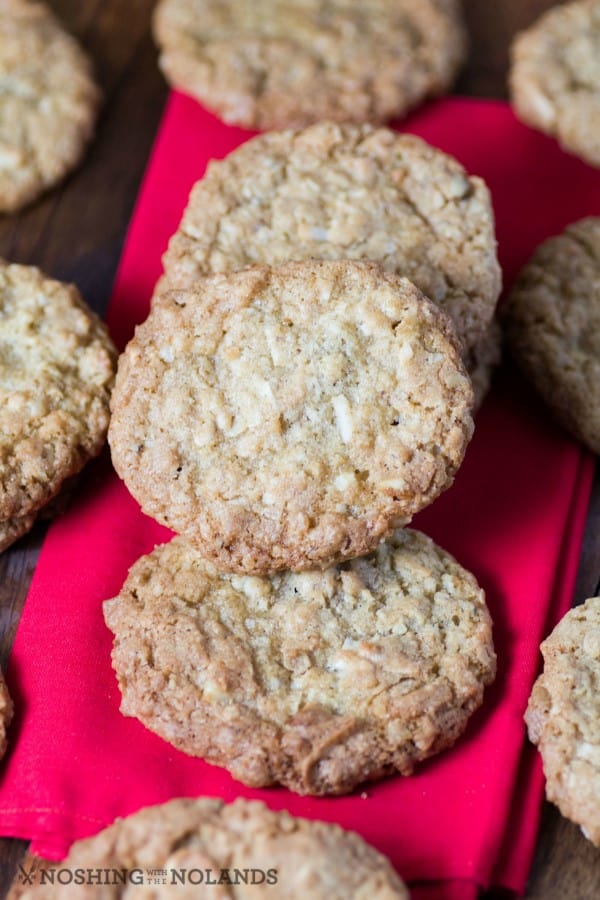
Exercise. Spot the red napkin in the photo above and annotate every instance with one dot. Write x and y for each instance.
(515, 516)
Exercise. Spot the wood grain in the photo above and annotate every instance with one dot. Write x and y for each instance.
(76, 233)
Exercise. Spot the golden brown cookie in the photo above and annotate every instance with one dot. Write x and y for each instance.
(552, 327)
(289, 417)
(48, 102)
(268, 64)
(57, 367)
(12, 529)
(317, 680)
(291, 858)
(563, 717)
(555, 76)
(346, 192)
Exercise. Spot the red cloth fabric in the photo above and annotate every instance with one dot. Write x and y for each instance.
(515, 517)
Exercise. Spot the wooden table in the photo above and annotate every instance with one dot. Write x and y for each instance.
(76, 233)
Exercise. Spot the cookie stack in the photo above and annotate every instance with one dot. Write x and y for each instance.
(286, 415)
(351, 192)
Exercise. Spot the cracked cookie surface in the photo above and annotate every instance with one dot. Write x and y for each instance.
(552, 326)
(563, 716)
(346, 192)
(308, 859)
(48, 102)
(57, 366)
(272, 64)
(317, 680)
(289, 417)
(555, 76)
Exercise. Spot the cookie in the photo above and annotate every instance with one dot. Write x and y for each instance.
(12, 529)
(48, 102)
(242, 843)
(346, 192)
(289, 417)
(552, 327)
(57, 366)
(317, 680)
(563, 717)
(276, 65)
(482, 361)
(6, 714)
(555, 77)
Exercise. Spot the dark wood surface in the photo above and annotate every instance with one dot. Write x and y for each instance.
(76, 233)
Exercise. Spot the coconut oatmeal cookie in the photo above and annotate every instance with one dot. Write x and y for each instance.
(317, 680)
(299, 859)
(289, 417)
(555, 76)
(552, 327)
(57, 366)
(563, 716)
(48, 102)
(272, 64)
(346, 192)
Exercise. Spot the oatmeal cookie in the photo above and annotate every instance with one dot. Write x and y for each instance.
(317, 680)
(555, 76)
(346, 192)
(563, 717)
(552, 327)
(299, 859)
(48, 102)
(57, 366)
(289, 417)
(12, 529)
(268, 64)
